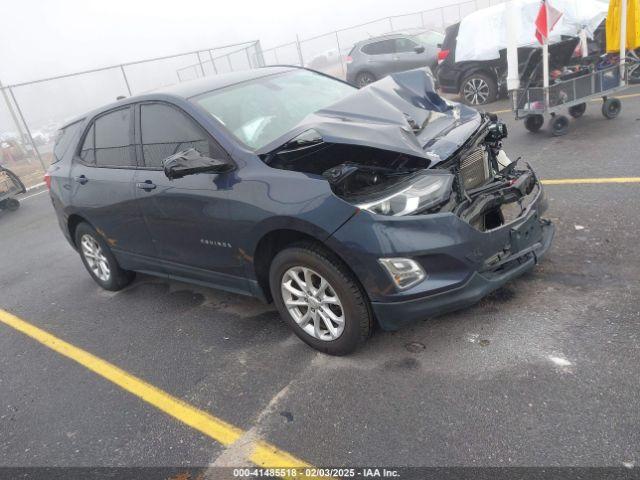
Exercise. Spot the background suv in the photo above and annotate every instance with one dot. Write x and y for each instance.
(374, 58)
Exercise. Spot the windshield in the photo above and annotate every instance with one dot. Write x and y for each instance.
(259, 111)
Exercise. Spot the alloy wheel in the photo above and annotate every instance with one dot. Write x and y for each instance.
(313, 303)
(476, 91)
(95, 258)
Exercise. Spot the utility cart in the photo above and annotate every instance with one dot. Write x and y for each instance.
(10, 186)
(550, 83)
(571, 95)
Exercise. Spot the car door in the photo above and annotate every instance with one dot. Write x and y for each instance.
(379, 57)
(187, 217)
(102, 189)
(406, 57)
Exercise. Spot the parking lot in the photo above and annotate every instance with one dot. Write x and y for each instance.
(544, 372)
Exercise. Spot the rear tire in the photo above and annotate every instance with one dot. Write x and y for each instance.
(334, 294)
(99, 260)
(533, 122)
(578, 110)
(364, 78)
(611, 108)
(479, 89)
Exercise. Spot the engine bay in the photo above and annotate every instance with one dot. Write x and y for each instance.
(484, 179)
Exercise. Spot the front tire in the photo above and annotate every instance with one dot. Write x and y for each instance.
(533, 122)
(10, 204)
(320, 299)
(99, 260)
(611, 108)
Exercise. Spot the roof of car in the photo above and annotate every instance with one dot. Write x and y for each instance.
(191, 88)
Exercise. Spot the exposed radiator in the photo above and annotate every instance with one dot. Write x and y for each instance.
(474, 169)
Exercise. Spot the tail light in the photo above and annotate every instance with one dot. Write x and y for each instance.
(442, 56)
(47, 180)
(348, 59)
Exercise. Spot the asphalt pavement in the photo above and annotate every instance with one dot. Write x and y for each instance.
(544, 372)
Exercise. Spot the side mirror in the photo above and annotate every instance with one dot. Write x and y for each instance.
(419, 49)
(191, 162)
(439, 45)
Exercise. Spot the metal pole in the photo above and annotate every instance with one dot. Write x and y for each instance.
(390, 24)
(200, 62)
(444, 25)
(229, 62)
(422, 18)
(179, 78)
(545, 72)
(126, 81)
(246, 50)
(213, 62)
(301, 60)
(12, 112)
(340, 55)
(259, 54)
(623, 39)
(33, 144)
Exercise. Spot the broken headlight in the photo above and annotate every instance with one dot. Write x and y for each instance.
(423, 192)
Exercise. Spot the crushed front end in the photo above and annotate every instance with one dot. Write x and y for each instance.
(444, 216)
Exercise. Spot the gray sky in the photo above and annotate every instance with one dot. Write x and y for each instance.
(44, 38)
(40, 38)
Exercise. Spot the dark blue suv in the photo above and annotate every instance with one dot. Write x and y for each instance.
(346, 207)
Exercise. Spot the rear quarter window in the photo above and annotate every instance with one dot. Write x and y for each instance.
(65, 139)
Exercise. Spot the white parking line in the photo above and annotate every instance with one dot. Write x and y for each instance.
(33, 195)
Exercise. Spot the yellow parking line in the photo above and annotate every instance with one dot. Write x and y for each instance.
(578, 181)
(262, 453)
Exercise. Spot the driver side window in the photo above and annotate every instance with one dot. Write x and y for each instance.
(165, 130)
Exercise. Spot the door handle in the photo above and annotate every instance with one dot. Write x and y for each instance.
(147, 185)
(81, 179)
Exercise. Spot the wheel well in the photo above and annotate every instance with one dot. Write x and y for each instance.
(276, 241)
(268, 247)
(72, 223)
(483, 71)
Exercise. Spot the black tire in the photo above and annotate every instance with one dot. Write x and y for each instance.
(10, 204)
(358, 319)
(578, 110)
(559, 125)
(611, 108)
(533, 122)
(479, 89)
(118, 278)
(365, 78)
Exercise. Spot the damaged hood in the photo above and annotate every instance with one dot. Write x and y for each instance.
(400, 113)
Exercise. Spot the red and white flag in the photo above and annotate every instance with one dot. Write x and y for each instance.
(545, 21)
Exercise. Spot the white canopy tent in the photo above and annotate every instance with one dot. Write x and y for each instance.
(483, 33)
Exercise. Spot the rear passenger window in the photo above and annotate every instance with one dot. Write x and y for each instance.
(65, 137)
(109, 141)
(165, 130)
(379, 48)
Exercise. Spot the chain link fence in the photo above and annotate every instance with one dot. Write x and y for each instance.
(31, 112)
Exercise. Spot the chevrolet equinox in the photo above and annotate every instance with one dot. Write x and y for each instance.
(345, 207)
